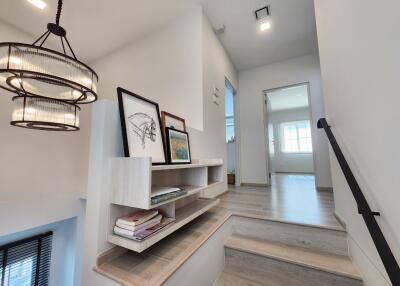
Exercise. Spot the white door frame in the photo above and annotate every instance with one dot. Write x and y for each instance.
(265, 94)
(238, 177)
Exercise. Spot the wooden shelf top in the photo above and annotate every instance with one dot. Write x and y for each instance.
(183, 216)
(183, 166)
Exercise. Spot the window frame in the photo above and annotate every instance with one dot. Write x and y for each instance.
(4, 249)
(282, 139)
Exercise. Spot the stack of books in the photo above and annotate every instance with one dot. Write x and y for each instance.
(141, 224)
(162, 194)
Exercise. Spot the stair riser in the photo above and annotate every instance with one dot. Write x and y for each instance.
(326, 240)
(281, 273)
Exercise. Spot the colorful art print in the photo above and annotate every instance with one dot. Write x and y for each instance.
(178, 146)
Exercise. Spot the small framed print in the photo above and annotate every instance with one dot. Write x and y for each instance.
(178, 147)
(172, 121)
(141, 127)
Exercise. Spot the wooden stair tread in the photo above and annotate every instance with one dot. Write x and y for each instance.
(335, 264)
(231, 277)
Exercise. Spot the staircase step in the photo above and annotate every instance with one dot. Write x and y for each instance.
(320, 238)
(282, 264)
(231, 276)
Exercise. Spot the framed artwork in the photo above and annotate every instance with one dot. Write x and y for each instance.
(169, 120)
(141, 127)
(178, 146)
(172, 121)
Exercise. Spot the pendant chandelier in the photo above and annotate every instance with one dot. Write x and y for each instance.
(49, 84)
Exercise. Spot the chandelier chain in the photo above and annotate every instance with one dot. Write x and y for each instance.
(59, 8)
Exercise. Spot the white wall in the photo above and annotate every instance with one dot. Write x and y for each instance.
(165, 67)
(41, 177)
(285, 162)
(211, 142)
(252, 125)
(360, 70)
(190, 39)
(178, 66)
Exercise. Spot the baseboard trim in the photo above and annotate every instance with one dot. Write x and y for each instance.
(324, 189)
(339, 219)
(253, 185)
(294, 173)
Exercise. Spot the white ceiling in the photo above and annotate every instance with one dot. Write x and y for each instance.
(98, 27)
(288, 98)
(293, 31)
(95, 27)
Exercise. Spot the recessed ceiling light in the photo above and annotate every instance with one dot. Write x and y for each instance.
(38, 3)
(265, 26)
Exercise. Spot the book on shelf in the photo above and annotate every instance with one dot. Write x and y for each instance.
(124, 227)
(137, 218)
(168, 196)
(158, 191)
(145, 233)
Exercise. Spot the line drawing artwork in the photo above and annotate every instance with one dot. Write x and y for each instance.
(144, 126)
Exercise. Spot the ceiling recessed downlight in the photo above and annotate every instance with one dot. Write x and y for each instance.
(263, 12)
(265, 26)
(38, 3)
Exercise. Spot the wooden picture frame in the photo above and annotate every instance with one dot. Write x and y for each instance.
(178, 146)
(168, 120)
(141, 127)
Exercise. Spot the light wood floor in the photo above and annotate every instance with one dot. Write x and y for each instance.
(292, 198)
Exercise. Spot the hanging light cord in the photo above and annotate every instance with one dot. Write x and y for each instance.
(57, 27)
(59, 8)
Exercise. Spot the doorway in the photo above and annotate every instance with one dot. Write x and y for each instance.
(290, 155)
(231, 134)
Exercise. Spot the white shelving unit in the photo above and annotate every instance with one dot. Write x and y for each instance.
(132, 181)
(119, 186)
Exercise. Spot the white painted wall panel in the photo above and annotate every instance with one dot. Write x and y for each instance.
(253, 140)
(360, 69)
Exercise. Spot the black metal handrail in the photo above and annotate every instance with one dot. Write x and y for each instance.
(386, 254)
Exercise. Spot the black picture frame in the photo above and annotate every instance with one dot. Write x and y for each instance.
(121, 92)
(170, 159)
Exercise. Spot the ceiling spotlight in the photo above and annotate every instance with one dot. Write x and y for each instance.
(265, 26)
(262, 17)
(262, 13)
(38, 3)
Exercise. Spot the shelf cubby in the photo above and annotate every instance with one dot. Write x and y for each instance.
(183, 215)
(133, 181)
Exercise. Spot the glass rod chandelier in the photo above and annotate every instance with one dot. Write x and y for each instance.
(49, 84)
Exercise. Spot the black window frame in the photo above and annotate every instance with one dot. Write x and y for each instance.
(4, 249)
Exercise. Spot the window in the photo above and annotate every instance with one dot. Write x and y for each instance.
(296, 137)
(26, 262)
(230, 129)
(229, 114)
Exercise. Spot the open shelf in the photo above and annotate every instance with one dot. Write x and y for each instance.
(133, 179)
(183, 215)
(191, 190)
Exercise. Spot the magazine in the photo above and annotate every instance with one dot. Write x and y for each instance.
(166, 197)
(142, 235)
(139, 227)
(138, 217)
